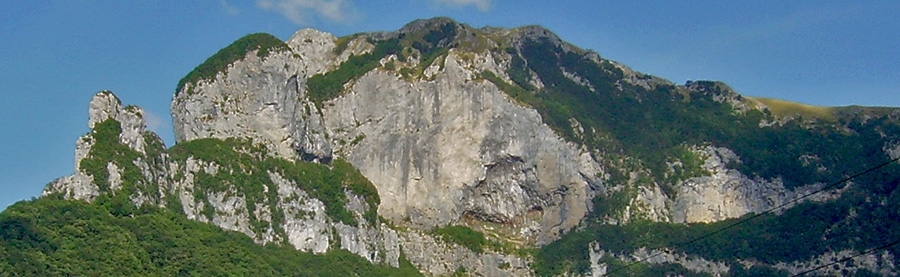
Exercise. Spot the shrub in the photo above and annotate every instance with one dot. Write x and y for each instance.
(462, 235)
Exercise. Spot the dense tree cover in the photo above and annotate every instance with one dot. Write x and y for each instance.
(866, 216)
(54, 237)
(261, 42)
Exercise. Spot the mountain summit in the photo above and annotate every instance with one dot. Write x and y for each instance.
(495, 152)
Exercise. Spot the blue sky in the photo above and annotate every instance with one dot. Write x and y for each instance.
(55, 55)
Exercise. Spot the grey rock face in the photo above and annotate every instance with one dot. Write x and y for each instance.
(722, 194)
(727, 193)
(893, 151)
(436, 149)
(689, 262)
(255, 98)
(446, 146)
(305, 224)
(438, 258)
(452, 146)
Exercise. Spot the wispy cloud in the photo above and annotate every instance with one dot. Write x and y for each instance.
(229, 8)
(306, 11)
(154, 123)
(481, 5)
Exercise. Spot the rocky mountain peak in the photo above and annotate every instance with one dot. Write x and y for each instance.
(537, 32)
(431, 24)
(111, 124)
(103, 105)
(436, 33)
(106, 105)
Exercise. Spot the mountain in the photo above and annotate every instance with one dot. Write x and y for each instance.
(484, 151)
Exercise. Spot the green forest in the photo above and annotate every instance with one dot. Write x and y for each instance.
(54, 237)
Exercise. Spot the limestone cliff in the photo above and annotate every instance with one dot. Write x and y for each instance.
(515, 134)
(439, 148)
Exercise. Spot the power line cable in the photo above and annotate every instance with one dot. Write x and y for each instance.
(849, 258)
(854, 176)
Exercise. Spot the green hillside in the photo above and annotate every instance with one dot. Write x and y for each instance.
(54, 237)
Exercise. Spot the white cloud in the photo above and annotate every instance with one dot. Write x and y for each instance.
(481, 5)
(304, 11)
(153, 122)
(229, 8)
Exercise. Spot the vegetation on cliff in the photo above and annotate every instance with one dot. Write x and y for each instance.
(327, 86)
(262, 43)
(864, 217)
(245, 169)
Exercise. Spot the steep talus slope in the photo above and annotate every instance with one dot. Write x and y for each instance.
(462, 149)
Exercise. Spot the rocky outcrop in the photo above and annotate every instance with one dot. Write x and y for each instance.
(728, 193)
(448, 145)
(437, 150)
(599, 267)
(720, 193)
(103, 106)
(255, 98)
(893, 151)
(439, 258)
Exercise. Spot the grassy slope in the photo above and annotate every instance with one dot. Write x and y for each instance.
(789, 109)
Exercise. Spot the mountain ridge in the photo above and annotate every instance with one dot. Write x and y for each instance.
(505, 138)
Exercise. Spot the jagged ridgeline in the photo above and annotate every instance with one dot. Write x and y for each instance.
(484, 151)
